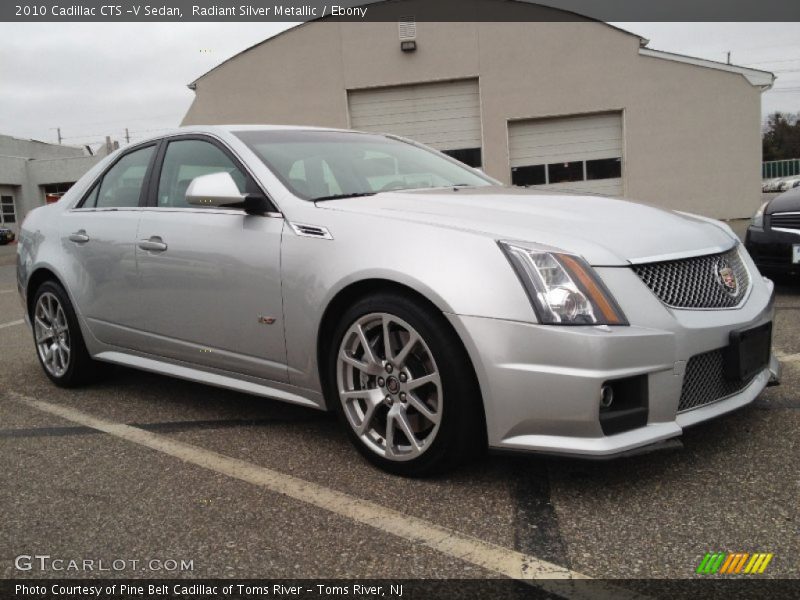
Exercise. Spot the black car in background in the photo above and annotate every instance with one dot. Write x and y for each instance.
(6, 236)
(773, 237)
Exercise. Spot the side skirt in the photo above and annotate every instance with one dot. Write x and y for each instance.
(268, 389)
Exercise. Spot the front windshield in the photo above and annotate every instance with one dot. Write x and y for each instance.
(316, 165)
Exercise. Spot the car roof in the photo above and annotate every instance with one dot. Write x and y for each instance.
(235, 128)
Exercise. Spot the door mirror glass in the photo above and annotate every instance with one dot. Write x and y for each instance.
(216, 189)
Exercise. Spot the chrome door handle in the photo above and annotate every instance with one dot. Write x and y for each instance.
(154, 244)
(79, 237)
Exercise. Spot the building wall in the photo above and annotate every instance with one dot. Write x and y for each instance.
(11, 146)
(22, 176)
(691, 134)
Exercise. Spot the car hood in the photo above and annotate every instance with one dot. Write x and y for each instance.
(604, 231)
(786, 202)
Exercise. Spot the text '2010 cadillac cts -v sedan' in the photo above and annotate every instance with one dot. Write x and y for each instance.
(435, 310)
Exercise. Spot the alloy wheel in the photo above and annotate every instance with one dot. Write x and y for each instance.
(389, 386)
(52, 335)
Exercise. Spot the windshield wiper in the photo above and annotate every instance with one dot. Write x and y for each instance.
(341, 196)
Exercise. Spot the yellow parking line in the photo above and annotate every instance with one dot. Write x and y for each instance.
(498, 559)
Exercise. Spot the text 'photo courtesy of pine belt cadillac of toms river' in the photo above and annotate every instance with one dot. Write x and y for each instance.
(437, 311)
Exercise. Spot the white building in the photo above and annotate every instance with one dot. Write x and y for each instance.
(33, 173)
(544, 99)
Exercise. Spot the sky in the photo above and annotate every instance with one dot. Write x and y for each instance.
(96, 79)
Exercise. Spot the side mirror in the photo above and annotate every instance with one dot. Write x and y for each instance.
(216, 189)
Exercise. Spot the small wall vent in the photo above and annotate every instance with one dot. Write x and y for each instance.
(408, 29)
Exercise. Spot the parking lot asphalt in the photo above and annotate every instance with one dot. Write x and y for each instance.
(8, 254)
(73, 491)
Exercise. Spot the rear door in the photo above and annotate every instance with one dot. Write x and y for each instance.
(210, 288)
(99, 235)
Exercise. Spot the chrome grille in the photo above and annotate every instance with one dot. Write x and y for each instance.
(704, 381)
(696, 282)
(790, 220)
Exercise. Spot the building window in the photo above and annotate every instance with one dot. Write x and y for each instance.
(54, 191)
(469, 156)
(7, 213)
(604, 168)
(563, 172)
(533, 175)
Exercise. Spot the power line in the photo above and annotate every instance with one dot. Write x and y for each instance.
(120, 132)
(125, 120)
(770, 47)
(771, 62)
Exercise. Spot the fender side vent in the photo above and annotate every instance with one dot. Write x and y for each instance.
(314, 231)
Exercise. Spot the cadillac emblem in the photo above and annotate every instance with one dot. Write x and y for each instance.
(727, 277)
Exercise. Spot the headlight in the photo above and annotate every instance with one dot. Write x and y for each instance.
(758, 218)
(563, 289)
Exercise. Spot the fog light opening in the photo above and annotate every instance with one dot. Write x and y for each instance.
(606, 396)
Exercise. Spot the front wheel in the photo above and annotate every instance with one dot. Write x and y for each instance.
(405, 386)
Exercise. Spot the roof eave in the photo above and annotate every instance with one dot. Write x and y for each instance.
(756, 77)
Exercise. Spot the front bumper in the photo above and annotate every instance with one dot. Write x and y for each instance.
(772, 250)
(541, 384)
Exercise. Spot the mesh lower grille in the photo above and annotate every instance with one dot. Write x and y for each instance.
(705, 382)
(697, 282)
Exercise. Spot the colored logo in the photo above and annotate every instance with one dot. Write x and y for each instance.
(734, 563)
(727, 277)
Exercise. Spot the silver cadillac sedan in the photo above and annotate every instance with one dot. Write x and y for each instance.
(435, 310)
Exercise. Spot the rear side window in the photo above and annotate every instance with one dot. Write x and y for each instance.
(121, 186)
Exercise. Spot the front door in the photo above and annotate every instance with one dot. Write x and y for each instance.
(210, 278)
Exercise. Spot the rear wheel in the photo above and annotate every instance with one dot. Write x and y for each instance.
(59, 343)
(404, 386)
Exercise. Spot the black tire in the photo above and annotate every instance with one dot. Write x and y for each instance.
(80, 367)
(462, 431)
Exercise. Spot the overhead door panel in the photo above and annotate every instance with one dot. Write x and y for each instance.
(444, 115)
(581, 153)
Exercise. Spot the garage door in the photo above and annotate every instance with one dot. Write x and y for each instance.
(444, 115)
(582, 153)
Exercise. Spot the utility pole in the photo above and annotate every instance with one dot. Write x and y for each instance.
(127, 136)
(58, 130)
(729, 57)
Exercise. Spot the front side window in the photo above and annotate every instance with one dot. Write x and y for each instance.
(318, 164)
(187, 159)
(121, 186)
